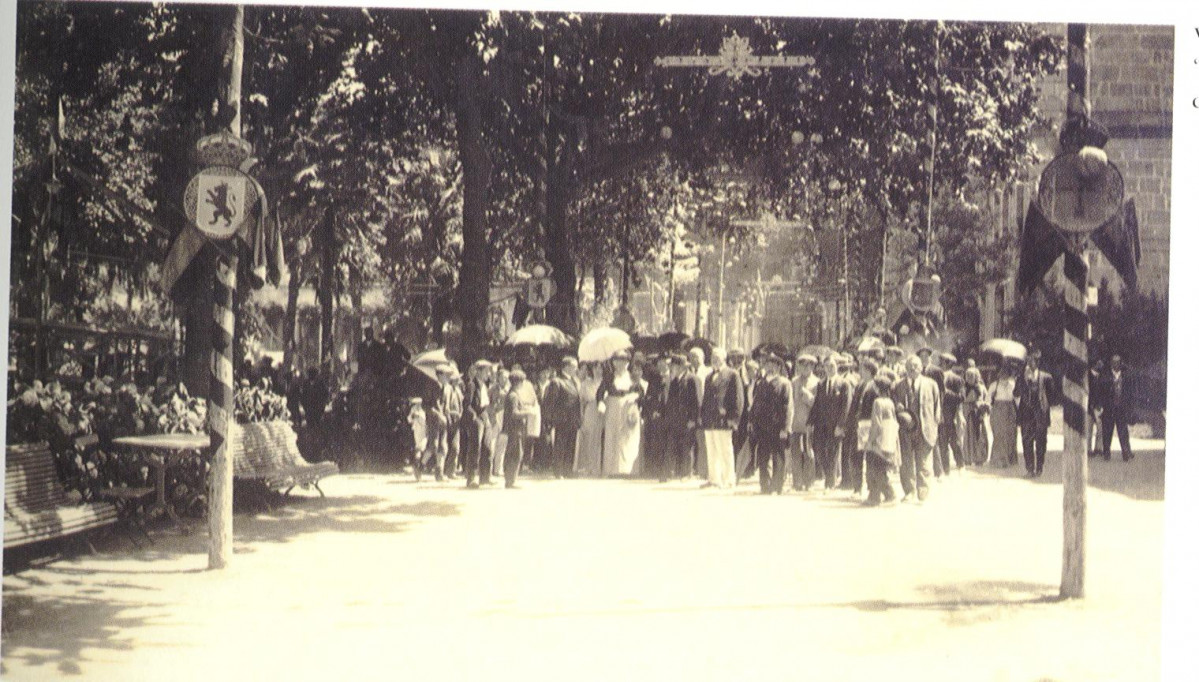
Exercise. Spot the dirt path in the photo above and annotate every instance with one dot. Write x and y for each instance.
(613, 580)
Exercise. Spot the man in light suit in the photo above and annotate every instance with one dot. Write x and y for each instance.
(918, 407)
(1034, 395)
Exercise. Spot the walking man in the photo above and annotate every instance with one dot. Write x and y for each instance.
(1115, 404)
(720, 412)
(918, 408)
(803, 394)
(682, 418)
(563, 415)
(520, 420)
(1034, 393)
(770, 421)
(476, 451)
(829, 420)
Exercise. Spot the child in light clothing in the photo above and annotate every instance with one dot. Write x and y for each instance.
(882, 446)
(420, 435)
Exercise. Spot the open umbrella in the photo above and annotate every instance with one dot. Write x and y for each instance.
(539, 335)
(602, 343)
(428, 361)
(1006, 349)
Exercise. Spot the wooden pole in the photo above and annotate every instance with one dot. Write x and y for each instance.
(220, 396)
(1075, 335)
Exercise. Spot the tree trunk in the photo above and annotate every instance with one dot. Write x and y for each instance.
(474, 281)
(195, 366)
(562, 312)
(599, 275)
(328, 279)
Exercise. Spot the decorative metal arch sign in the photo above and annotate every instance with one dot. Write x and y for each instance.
(736, 59)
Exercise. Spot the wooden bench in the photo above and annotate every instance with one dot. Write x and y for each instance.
(267, 452)
(36, 506)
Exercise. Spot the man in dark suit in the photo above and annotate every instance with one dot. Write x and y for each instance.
(770, 424)
(720, 413)
(918, 408)
(476, 451)
(682, 418)
(1034, 395)
(653, 407)
(829, 421)
(1116, 406)
(562, 414)
(949, 440)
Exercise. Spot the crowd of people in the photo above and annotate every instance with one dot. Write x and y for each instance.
(852, 422)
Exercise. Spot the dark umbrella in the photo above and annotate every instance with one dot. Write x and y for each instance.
(771, 347)
(672, 341)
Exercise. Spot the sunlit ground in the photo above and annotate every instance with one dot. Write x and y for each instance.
(615, 580)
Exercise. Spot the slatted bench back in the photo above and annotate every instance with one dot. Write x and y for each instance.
(31, 478)
(36, 506)
(263, 449)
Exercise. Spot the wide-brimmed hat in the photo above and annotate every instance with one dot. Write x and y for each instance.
(622, 355)
(770, 357)
(806, 358)
(894, 350)
(678, 359)
(949, 358)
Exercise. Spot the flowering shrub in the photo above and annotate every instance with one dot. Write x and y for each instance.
(253, 404)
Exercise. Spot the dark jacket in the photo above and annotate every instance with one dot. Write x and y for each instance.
(1035, 397)
(723, 400)
(562, 408)
(832, 406)
(683, 404)
(1117, 398)
(770, 414)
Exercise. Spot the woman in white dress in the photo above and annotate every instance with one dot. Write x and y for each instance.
(622, 419)
(591, 432)
(1003, 418)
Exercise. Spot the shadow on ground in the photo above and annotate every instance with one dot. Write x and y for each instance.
(1143, 478)
(53, 631)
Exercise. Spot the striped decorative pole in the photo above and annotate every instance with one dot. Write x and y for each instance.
(220, 413)
(1075, 335)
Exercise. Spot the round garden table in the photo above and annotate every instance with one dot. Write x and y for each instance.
(162, 448)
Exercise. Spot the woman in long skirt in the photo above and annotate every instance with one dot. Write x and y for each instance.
(976, 404)
(622, 420)
(1003, 419)
(591, 432)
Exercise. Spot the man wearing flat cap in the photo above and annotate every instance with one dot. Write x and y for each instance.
(770, 424)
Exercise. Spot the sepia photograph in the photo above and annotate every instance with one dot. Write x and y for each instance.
(379, 342)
